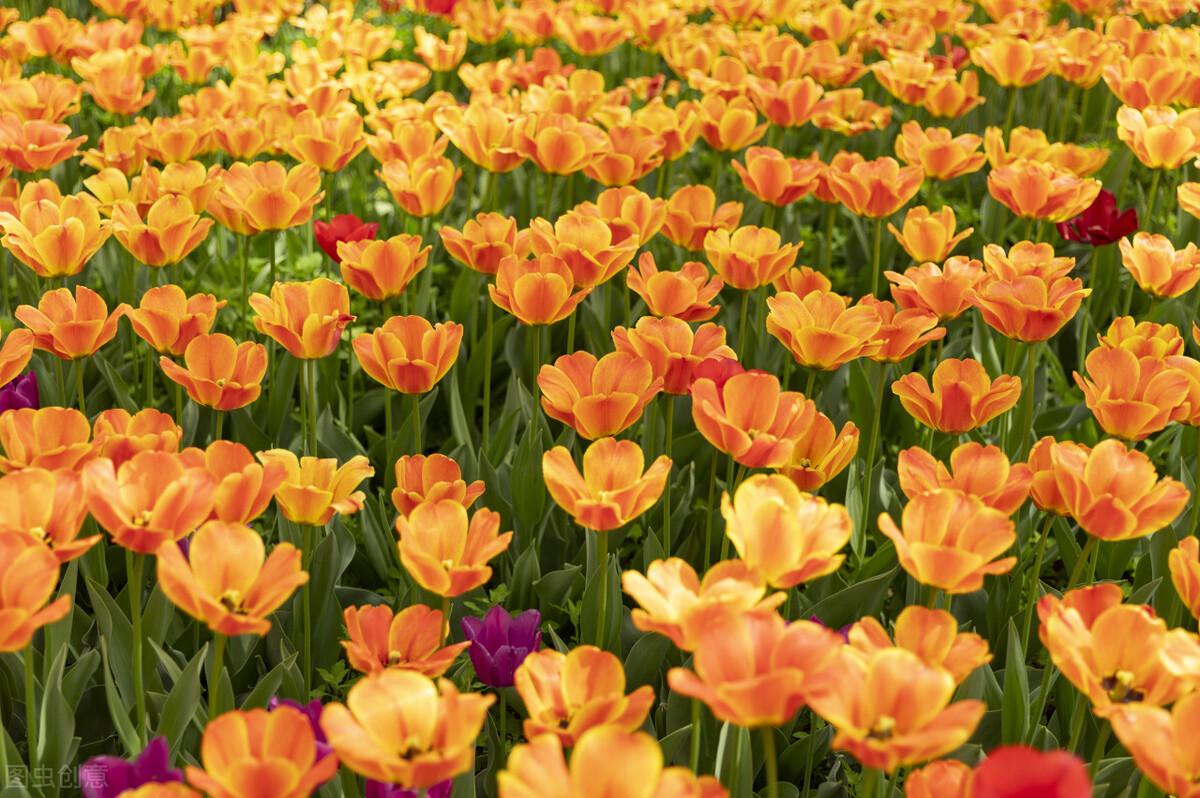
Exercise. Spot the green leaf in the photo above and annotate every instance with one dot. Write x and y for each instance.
(268, 685)
(116, 630)
(182, 701)
(56, 718)
(528, 489)
(854, 601)
(117, 707)
(645, 660)
(1014, 715)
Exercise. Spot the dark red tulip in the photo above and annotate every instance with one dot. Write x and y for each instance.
(1020, 772)
(343, 227)
(1101, 223)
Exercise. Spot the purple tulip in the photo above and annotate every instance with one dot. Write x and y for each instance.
(311, 710)
(379, 789)
(20, 393)
(1102, 223)
(109, 776)
(500, 642)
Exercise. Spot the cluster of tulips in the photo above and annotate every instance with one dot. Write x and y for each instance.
(522, 455)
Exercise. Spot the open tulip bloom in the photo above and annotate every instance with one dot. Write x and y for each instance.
(599, 400)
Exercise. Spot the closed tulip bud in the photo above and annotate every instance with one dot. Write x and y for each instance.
(614, 488)
(71, 326)
(48, 507)
(169, 233)
(240, 746)
(820, 331)
(1035, 190)
(950, 95)
(568, 694)
(329, 143)
(423, 188)
(408, 354)
(975, 469)
(1160, 136)
(945, 778)
(1132, 397)
(749, 417)
(802, 281)
(314, 489)
(763, 677)
(928, 236)
(307, 319)
(632, 207)
(263, 195)
(54, 438)
(485, 242)
(1143, 338)
(380, 270)
(119, 435)
(1184, 564)
(962, 398)
(596, 250)
(55, 237)
(35, 145)
(750, 257)
(729, 125)
(1015, 62)
(227, 581)
(775, 179)
(685, 294)
(673, 348)
(930, 634)
(943, 290)
(540, 291)
(874, 189)
(942, 155)
(421, 479)
(438, 725)
(30, 571)
(444, 553)
(168, 319)
(692, 213)
(598, 397)
(1158, 268)
(485, 134)
(219, 372)
(631, 154)
(409, 640)
(559, 144)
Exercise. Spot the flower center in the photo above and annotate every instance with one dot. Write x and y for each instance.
(39, 532)
(883, 729)
(1120, 688)
(141, 518)
(234, 601)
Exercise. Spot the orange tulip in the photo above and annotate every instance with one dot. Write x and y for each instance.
(1188, 195)
(1158, 268)
(775, 179)
(692, 213)
(1143, 338)
(729, 125)
(1160, 136)
(226, 581)
(676, 603)
(789, 103)
(892, 710)
(1184, 564)
(559, 144)
(408, 354)
(29, 572)
(486, 134)
(963, 397)
(802, 281)
(314, 488)
(1132, 397)
(41, 96)
(329, 142)
(950, 540)
(1026, 259)
(568, 694)
(598, 397)
(631, 154)
(820, 452)
(306, 319)
(614, 488)
(35, 145)
(48, 507)
(685, 294)
(928, 236)
(975, 469)
(53, 438)
(945, 778)
(154, 498)
(537, 291)
(1036, 190)
(169, 233)
(941, 154)
(625, 206)
(845, 111)
(1112, 492)
(943, 290)
(594, 248)
(749, 417)
(1113, 653)
(950, 94)
(753, 668)
(54, 235)
(421, 479)
(168, 319)
(901, 332)
(15, 354)
(445, 554)
(786, 537)
(819, 330)
(1027, 308)
(244, 487)
(1161, 743)
(750, 257)
(1032, 144)
(398, 726)
(422, 188)
(71, 327)
(930, 634)
(248, 751)
(485, 242)
(119, 435)
(410, 640)
(1015, 61)
(677, 126)
(218, 372)
(263, 195)
(874, 189)
(673, 348)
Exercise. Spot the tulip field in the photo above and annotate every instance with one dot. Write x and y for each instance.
(599, 398)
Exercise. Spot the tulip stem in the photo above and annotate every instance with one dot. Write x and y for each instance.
(134, 563)
(771, 762)
(62, 382)
(1031, 357)
(1033, 584)
(1012, 109)
(271, 242)
(4, 752)
(243, 267)
(503, 726)
(877, 246)
(306, 544)
(741, 339)
(308, 386)
(813, 728)
(1098, 748)
(415, 412)
(694, 759)
(871, 780)
(1035, 717)
(31, 730)
(872, 442)
(708, 515)
(148, 378)
(1085, 556)
(80, 366)
(487, 364)
(1151, 195)
(827, 253)
(388, 451)
(218, 666)
(219, 425)
(602, 575)
(670, 434)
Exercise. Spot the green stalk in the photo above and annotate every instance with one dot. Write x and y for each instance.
(1035, 575)
(218, 665)
(771, 761)
(415, 414)
(876, 248)
(503, 727)
(31, 730)
(148, 377)
(388, 451)
(312, 406)
(1098, 748)
(271, 242)
(220, 425)
(872, 442)
(602, 575)
(694, 758)
(1043, 693)
(1085, 556)
(134, 563)
(306, 544)
(1012, 108)
(244, 267)
(666, 498)
(1031, 357)
(3, 752)
(81, 397)
(709, 510)
(487, 368)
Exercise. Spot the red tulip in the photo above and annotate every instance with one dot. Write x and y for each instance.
(1020, 772)
(343, 227)
(1102, 223)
